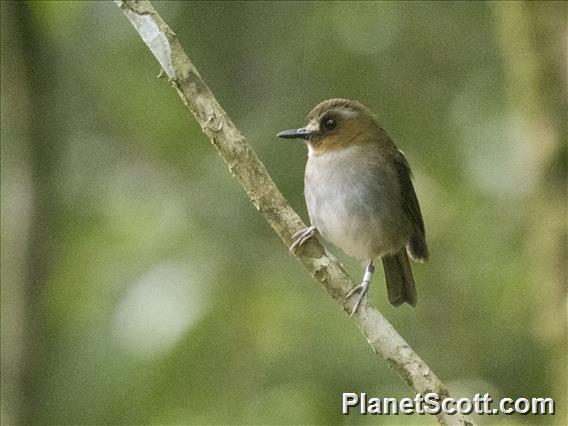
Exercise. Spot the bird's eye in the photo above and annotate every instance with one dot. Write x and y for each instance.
(329, 123)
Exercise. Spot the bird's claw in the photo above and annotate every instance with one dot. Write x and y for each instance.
(302, 236)
(363, 290)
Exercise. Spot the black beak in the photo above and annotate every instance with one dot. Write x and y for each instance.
(301, 133)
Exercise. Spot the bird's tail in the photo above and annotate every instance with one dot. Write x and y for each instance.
(398, 275)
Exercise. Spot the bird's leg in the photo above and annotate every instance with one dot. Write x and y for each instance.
(302, 236)
(362, 288)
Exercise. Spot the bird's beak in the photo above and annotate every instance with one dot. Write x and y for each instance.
(301, 133)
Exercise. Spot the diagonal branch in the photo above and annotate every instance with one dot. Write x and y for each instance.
(262, 191)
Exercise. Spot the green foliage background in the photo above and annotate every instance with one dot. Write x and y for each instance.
(139, 285)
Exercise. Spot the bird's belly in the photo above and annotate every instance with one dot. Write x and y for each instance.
(343, 217)
(340, 224)
(355, 205)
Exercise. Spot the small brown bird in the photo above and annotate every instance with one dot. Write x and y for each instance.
(360, 197)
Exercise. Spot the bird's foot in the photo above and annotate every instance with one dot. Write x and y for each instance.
(302, 236)
(362, 289)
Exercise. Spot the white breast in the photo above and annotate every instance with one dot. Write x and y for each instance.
(353, 199)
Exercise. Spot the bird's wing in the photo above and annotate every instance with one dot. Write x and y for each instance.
(409, 200)
(417, 245)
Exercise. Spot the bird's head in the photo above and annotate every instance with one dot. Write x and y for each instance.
(336, 124)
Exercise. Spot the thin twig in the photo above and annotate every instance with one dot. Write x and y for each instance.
(263, 193)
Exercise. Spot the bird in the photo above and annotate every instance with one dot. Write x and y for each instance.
(360, 197)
